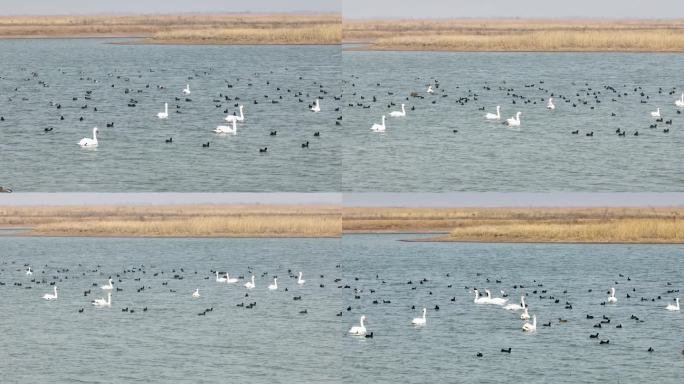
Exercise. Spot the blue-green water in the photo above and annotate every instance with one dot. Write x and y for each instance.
(445, 349)
(38, 75)
(170, 342)
(421, 152)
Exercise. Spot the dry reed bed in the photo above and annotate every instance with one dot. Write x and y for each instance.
(177, 221)
(525, 224)
(518, 35)
(190, 29)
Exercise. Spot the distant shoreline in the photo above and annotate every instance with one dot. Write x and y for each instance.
(516, 35)
(196, 29)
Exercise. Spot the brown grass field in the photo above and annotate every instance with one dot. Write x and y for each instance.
(573, 225)
(176, 221)
(186, 29)
(514, 35)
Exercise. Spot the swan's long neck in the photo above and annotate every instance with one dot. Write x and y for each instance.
(241, 115)
(252, 279)
(477, 294)
(94, 134)
(424, 312)
(534, 320)
(361, 322)
(522, 301)
(498, 113)
(402, 109)
(166, 108)
(55, 289)
(383, 120)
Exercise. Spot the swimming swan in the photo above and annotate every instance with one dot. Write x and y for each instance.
(478, 299)
(51, 296)
(227, 129)
(494, 300)
(186, 91)
(274, 286)
(680, 102)
(550, 104)
(196, 293)
(514, 121)
(230, 118)
(673, 307)
(359, 330)
(229, 280)
(401, 113)
(250, 284)
(221, 279)
(429, 90)
(108, 286)
(103, 302)
(316, 107)
(525, 315)
(29, 272)
(420, 320)
(656, 113)
(379, 127)
(165, 114)
(527, 327)
(300, 281)
(492, 116)
(612, 299)
(88, 142)
(516, 307)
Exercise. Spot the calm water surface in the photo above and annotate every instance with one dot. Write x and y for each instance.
(272, 342)
(37, 75)
(421, 152)
(445, 349)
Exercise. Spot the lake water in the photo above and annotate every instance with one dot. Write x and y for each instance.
(270, 343)
(37, 75)
(422, 153)
(445, 349)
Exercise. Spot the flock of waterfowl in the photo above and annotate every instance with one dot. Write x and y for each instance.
(584, 97)
(136, 274)
(92, 97)
(528, 315)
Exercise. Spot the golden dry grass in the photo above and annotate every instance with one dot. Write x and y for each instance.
(519, 35)
(176, 221)
(189, 29)
(640, 225)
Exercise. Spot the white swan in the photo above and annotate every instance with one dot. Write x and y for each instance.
(527, 327)
(316, 107)
(186, 91)
(478, 299)
(680, 102)
(229, 280)
(196, 293)
(525, 315)
(673, 307)
(300, 281)
(429, 90)
(379, 127)
(51, 296)
(494, 300)
(401, 113)
(656, 113)
(550, 104)
(612, 299)
(492, 116)
(221, 279)
(516, 307)
(88, 142)
(420, 320)
(102, 302)
(514, 121)
(165, 114)
(227, 129)
(358, 330)
(250, 284)
(230, 118)
(107, 286)
(274, 286)
(29, 272)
